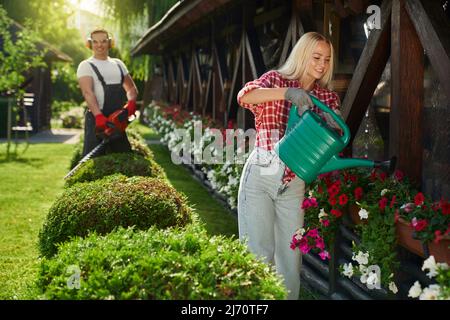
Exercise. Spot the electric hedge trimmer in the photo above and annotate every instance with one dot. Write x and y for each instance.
(115, 128)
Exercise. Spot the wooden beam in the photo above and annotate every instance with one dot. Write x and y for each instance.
(433, 29)
(304, 8)
(368, 72)
(405, 121)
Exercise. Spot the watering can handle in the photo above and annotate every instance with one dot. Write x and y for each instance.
(340, 122)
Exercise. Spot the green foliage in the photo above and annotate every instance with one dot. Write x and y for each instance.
(18, 53)
(133, 18)
(138, 144)
(158, 264)
(378, 238)
(65, 84)
(129, 164)
(106, 204)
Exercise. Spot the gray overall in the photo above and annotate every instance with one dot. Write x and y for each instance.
(115, 99)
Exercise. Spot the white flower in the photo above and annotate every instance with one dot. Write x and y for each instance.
(384, 191)
(430, 264)
(233, 181)
(348, 270)
(372, 279)
(361, 257)
(363, 214)
(300, 232)
(393, 287)
(415, 290)
(363, 278)
(430, 293)
(322, 213)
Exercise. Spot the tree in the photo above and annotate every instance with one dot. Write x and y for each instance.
(18, 54)
(134, 17)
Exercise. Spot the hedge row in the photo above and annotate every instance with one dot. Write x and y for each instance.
(133, 236)
(157, 264)
(113, 201)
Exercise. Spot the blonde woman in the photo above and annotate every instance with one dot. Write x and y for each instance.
(270, 195)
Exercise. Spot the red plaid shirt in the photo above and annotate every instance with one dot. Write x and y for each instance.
(272, 116)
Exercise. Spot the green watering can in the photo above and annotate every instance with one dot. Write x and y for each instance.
(310, 147)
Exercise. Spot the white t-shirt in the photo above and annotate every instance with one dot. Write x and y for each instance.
(108, 69)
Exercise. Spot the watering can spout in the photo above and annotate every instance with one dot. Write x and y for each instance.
(336, 163)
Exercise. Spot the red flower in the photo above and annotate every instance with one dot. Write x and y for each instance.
(437, 236)
(445, 206)
(419, 198)
(320, 190)
(343, 199)
(383, 176)
(353, 178)
(382, 203)
(396, 216)
(332, 201)
(420, 225)
(392, 201)
(358, 193)
(399, 175)
(335, 212)
(333, 190)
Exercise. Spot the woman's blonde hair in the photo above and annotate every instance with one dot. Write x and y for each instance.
(295, 65)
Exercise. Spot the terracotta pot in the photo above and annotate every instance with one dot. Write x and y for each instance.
(441, 250)
(352, 211)
(404, 232)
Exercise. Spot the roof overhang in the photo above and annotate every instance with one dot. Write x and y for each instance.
(176, 21)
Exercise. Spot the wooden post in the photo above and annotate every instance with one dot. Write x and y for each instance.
(405, 138)
(368, 72)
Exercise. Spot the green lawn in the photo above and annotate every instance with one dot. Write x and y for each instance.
(29, 185)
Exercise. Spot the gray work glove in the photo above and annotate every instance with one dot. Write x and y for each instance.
(330, 120)
(300, 98)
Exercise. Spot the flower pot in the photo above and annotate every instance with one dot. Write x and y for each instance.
(352, 211)
(404, 232)
(441, 250)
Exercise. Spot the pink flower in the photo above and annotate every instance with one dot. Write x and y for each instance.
(304, 246)
(324, 255)
(309, 202)
(313, 233)
(325, 223)
(320, 243)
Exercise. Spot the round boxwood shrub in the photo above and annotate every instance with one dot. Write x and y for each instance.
(157, 264)
(128, 163)
(138, 143)
(114, 201)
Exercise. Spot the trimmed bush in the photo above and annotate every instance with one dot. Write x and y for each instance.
(138, 143)
(129, 164)
(157, 264)
(111, 202)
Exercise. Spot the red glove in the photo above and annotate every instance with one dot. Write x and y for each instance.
(100, 121)
(131, 107)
